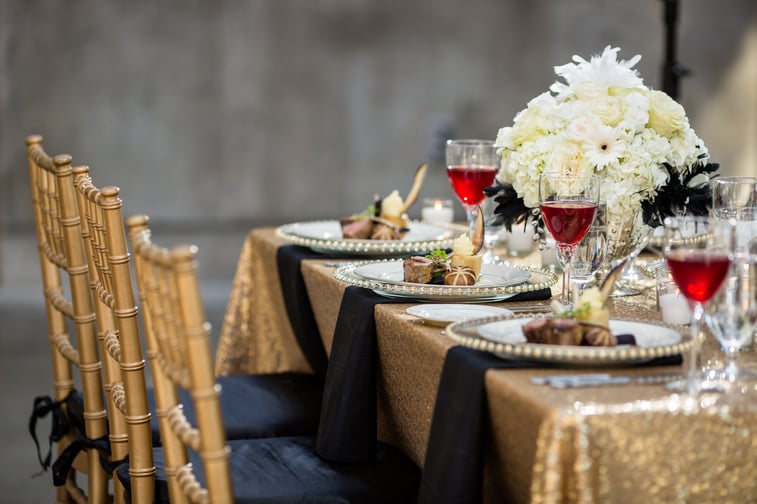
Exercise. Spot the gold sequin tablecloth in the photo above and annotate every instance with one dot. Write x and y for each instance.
(628, 443)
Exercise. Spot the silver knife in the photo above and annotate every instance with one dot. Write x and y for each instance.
(603, 379)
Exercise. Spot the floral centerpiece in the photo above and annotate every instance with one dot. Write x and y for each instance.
(603, 119)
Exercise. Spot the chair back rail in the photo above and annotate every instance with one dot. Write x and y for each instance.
(118, 330)
(179, 348)
(62, 256)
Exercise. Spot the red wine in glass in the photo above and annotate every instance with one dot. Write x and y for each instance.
(568, 221)
(698, 274)
(469, 182)
(698, 252)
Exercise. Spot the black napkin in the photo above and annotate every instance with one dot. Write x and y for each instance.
(299, 310)
(453, 468)
(347, 429)
(536, 295)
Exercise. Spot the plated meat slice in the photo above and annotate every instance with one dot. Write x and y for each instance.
(567, 331)
(418, 269)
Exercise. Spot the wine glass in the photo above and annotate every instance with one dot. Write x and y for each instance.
(589, 255)
(732, 313)
(697, 251)
(736, 198)
(472, 166)
(568, 204)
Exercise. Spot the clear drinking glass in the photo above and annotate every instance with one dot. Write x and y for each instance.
(568, 204)
(697, 250)
(736, 198)
(472, 166)
(589, 255)
(732, 313)
(491, 231)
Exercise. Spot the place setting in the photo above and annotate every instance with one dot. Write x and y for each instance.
(583, 334)
(382, 229)
(496, 282)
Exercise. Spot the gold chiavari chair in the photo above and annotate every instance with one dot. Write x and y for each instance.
(62, 256)
(196, 463)
(125, 385)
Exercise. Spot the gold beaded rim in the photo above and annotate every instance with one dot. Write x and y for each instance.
(539, 279)
(383, 248)
(467, 334)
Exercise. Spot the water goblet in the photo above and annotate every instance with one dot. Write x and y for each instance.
(732, 313)
(697, 251)
(472, 166)
(568, 204)
(736, 198)
(589, 256)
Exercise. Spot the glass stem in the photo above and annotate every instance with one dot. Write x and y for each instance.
(471, 212)
(693, 366)
(565, 255)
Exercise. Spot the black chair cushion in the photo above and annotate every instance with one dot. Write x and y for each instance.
(287, 470)
(266, 405)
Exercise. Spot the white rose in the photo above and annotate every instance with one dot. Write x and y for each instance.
(580, 128)
(610, 110)
(666, 116)
(567, 157)
(527, 126)
(590, 90)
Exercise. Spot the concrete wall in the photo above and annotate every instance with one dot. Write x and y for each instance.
(223, 114)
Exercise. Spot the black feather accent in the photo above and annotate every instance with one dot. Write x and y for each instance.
(678, 197)
(510, 208)
(674, 198)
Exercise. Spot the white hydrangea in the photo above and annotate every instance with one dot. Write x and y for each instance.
(601, 118)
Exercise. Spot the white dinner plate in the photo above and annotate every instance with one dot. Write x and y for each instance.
(492, 275)
(325, 236)
(443, 314)
(535, 279)
(504, 337)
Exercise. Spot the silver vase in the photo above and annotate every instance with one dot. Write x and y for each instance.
(627, 235)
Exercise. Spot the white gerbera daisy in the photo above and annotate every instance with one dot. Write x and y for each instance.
(603, 147)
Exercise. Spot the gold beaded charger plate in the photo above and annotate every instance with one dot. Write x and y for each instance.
(504, 337)
(492, 275)
(325, 236)
(497, 289)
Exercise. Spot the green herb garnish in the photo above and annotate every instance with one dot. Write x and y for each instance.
(367, 213)
(582, 310)
(440, 253)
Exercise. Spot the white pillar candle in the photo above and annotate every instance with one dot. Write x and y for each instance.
(674, 309)
(549, 253)
(519, 241)
(437, 211)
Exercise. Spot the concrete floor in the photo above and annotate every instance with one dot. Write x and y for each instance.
(25, 368)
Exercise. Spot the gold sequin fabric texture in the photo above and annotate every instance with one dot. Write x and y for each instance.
(595, 445)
